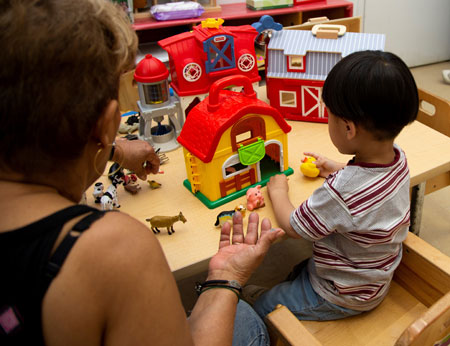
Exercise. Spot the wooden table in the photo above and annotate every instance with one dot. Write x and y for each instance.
(189, 249)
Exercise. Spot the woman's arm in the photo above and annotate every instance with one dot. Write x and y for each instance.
(239, 255)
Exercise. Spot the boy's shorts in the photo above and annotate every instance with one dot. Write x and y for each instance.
(300, 298)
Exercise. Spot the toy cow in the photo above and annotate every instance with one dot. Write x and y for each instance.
(255, 199)
(98, 192)
(109, 198)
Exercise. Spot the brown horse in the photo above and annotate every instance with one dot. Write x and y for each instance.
(165, 221)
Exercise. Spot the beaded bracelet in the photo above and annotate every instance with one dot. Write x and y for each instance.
(233, 284)
(221, 286)
(230, 285)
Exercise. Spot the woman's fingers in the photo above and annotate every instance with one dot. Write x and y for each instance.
(252, 229)
(238, 228)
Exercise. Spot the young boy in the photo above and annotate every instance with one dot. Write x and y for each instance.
(359, 217)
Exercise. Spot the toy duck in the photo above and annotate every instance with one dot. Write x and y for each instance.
(308, 168)
(153, 184)
(212, 23)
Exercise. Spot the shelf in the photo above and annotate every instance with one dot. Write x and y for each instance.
(239, 11)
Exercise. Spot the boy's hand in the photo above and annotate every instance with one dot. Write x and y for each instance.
(324, 164)
(277, 186)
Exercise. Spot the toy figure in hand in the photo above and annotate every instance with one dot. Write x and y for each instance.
(309, 168)
(324, 165)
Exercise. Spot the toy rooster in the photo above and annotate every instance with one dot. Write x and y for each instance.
(308, 168)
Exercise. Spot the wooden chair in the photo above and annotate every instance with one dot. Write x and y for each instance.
(434, 112)
(416, 310)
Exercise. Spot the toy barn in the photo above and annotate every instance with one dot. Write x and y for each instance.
(299, 62)
(210, 52)
(232, 141)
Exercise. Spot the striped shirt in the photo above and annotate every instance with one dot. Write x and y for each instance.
(357, 220)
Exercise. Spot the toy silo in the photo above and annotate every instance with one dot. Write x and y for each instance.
(157, 105)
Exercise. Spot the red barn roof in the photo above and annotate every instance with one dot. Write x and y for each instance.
(203, 128)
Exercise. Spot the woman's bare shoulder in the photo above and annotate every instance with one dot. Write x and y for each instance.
(112, 273)
(124, 236)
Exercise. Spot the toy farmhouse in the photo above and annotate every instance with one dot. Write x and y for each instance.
(208, 53)
(299, 62)
(231, 141)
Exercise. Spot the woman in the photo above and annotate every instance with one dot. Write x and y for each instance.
(73, 275)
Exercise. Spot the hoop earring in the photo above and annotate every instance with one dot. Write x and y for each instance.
(96, 157)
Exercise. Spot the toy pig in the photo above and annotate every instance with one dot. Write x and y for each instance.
(255, 199)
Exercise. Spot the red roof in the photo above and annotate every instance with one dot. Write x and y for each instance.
(150, 70)
(203, 129)
(202, 34)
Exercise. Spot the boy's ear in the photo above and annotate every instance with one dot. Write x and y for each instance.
(350, 129)
(107, 124)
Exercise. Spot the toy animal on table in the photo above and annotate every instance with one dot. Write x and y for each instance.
(153, 184)
(127, 129)
(130, 183)
(255, 199)
(308, 168)
(224, 216)
(109, 198)
(98, 192)
(116, 174)
(165, 221)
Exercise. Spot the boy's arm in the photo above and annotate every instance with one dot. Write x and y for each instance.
(282, 207)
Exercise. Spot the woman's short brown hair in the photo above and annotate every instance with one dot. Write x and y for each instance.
(61, 61)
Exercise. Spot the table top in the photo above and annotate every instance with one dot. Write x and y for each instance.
(189, 249)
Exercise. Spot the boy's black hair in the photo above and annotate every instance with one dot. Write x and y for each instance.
(375, 90)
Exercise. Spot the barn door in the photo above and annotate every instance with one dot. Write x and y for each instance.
(311, 102)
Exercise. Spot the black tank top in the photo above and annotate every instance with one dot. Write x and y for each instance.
(27, 269)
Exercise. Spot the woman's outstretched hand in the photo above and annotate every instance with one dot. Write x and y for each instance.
(239, 255)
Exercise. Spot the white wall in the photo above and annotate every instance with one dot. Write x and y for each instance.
(416, 30)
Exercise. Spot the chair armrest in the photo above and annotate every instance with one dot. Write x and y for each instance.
(286, 329)
(424, 270)
(439, 118)
(429, 328)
